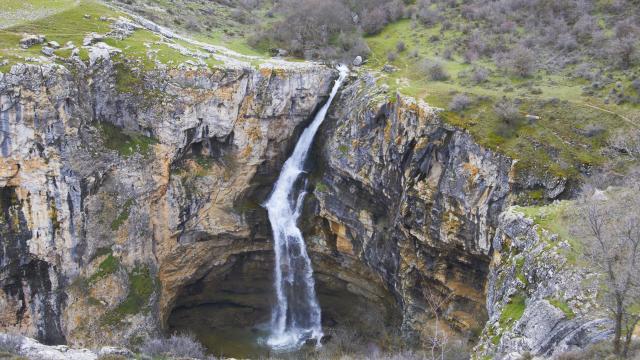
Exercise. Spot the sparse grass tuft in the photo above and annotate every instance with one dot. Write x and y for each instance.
(123, 216)
(107, 267)
(560, 304)
(513, 311)
(125, 144)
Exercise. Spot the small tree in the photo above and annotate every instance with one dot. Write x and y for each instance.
(438, 341)
(609, 223)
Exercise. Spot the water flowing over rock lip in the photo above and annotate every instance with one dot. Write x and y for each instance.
(288, 331)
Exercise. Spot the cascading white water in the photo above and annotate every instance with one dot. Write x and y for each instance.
(296, 315)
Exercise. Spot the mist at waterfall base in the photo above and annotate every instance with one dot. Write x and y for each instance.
(296, 316)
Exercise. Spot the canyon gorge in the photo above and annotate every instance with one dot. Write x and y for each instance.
(132, 205)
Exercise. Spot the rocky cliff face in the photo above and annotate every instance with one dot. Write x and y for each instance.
(539, 300)
(119, 189)
(131, 204)
(411, 197)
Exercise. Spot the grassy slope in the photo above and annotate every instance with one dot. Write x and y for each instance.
(210, 21)
(558, 143)
(73, 21)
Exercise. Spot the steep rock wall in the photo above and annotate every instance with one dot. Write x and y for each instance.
(411, 197)
(118, 187)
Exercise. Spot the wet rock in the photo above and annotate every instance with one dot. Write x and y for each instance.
(398, 190)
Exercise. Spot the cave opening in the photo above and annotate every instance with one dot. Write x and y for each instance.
(229, 309)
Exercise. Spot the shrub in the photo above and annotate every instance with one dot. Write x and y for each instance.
(400, 46)
(520, 61)
(460, 102)
(479, 75)
(178, 345)
(392, 56)
(10, 343)
(373, 21)
(624, 51)
(448, 54)
(507, 111)
(434, 70)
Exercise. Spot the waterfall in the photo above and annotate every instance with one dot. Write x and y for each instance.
(296, 316)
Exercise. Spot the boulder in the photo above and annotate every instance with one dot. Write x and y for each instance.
(357, 61)
(30, 40)
(47, 50)
(92, 38)
(107, 351)
(53, 44)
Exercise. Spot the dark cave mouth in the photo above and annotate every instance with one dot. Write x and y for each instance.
(229, 309)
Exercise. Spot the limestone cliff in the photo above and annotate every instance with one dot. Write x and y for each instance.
(411, 197)
(132, 197)
(118, 189)
(539, 300)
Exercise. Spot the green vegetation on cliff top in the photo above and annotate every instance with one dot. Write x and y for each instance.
(571, 119)
(65, 21)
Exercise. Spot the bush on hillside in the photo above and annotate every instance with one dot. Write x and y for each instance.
(178, 346)
(460, 102)
(433, 70)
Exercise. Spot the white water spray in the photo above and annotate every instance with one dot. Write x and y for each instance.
(296, 316)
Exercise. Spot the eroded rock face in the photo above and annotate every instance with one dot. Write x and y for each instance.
(120, 188)
(414, 199)
(128, 198)
(539, 301)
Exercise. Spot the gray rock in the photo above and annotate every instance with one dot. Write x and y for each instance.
(30, 40)
(53, 44)
(92, 38)
(544, 329)
(389, 68)
(226, 109)
(110, 350)
(357, 61)
(47, 51)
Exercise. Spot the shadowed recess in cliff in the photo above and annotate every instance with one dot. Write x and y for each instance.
(229, 308)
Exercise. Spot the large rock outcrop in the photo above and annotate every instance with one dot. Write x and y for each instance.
(539, 300)
(413, 198)
(131, 199)
(120, 187)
